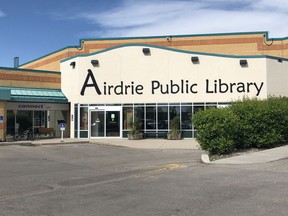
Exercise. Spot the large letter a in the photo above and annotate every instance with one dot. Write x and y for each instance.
(93, 84)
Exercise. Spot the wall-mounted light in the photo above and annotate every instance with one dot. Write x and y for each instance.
(169, 38)
(243, 63)
(195, 59)
(146, 51)
(95, 62)
(73, 64)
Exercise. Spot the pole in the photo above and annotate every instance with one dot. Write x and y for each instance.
(62, 140)
(62, 128)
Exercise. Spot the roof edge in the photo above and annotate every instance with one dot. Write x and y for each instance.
(177, 36)
(28, 88)
(29, 70)
(266, 33)
(174, 50)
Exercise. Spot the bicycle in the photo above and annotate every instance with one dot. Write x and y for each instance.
(27, 133)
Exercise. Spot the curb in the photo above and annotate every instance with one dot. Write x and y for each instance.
(58, 143)
(205, 158)
(20, 143)
(39, 143)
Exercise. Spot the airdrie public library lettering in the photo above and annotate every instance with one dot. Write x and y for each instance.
(172, 87)
(126, 84)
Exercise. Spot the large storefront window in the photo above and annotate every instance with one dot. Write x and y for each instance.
(139, 114)
(198, 107)
(18, 121)
(186, 117)
(40, 119)
(35, 117)
(127, 116)
(155, 118)
(150, 117)
(83, 118)
(162, 117)
(25, 120)
(174, 111)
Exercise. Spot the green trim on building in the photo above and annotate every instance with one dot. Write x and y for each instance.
(5, 94)
(175, 50)
(29, 70)
(33, 95)
(163, 36)
(176, 36)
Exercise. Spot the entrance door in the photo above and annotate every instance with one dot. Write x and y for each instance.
(112, 124)
(105, 123)
(97, 128)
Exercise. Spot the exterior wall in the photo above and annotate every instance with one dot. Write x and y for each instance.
(256, 43)
(277, 77)
(29, 78)
(214, 78)
(11, 77)
(125, 76)
(55, 112)
(2, 124)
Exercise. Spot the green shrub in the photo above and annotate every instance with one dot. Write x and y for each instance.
(174, 133)
(279, 113)
(175, 124)
(250, 123)
(262, 123)
(216, 130)
(134, 126)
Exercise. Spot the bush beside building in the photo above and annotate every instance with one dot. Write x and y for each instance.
(248, 124)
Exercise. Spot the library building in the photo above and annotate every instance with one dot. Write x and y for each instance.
(103, 85)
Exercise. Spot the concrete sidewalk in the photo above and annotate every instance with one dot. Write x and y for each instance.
(150, 143)
(264, 156)
(120, 142)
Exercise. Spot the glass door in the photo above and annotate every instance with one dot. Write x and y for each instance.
(112, 124)
(105, 123)
(97, 127)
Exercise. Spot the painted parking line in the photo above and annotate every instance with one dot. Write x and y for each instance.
(113, 177)
(40, 190)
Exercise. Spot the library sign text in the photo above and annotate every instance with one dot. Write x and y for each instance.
(182, 86)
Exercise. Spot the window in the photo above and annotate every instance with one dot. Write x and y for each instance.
(151, 117)
(83, 118)
(174, 111)
(139, 114)
(186, 115)
(127, 116)
(162, 117)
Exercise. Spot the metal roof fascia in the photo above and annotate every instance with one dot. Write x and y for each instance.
(5, 94)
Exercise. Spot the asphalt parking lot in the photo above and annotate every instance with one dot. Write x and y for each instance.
(89, 179)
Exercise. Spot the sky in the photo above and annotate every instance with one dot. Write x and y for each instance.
(30, 29)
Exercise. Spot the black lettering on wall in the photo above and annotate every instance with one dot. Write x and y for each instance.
(93, 84)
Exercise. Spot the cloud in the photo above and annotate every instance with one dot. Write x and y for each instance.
(280, 6)
(167, 17)
(2, 14)
(137, 14)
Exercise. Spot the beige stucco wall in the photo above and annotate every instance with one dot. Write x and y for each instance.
(129, 64)
(277, 77)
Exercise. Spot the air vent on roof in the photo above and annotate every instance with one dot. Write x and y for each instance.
(16, 62)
